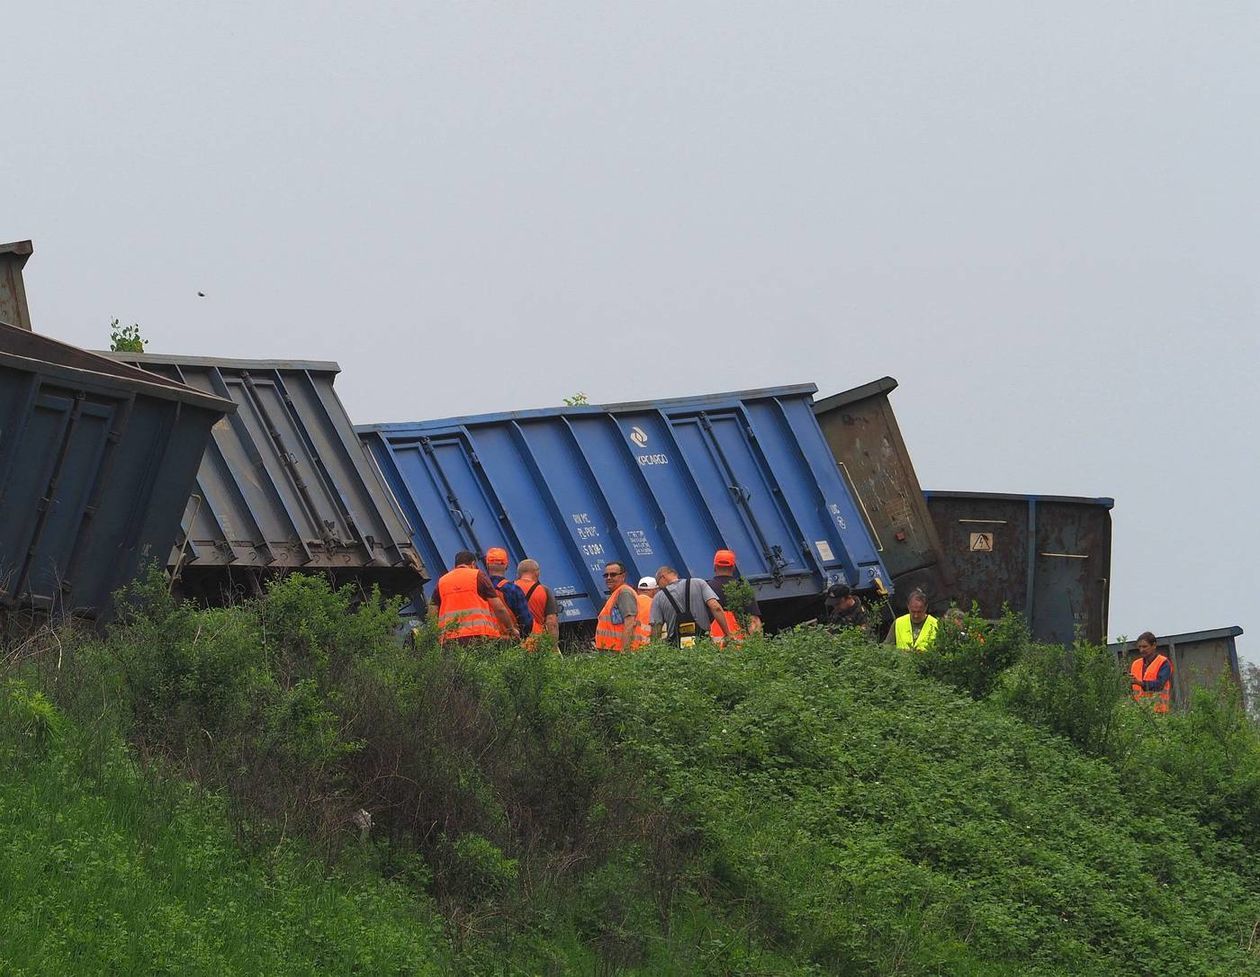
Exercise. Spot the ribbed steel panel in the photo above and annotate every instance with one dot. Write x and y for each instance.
(96, 462)
(284, 484)
(1047, 557)
(1200, 659)
(866, 441)
(649, 483)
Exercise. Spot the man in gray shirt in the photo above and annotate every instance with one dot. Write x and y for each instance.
(692, 598)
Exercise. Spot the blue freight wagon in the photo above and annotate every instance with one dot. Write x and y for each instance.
(650, 483)
(97, 460)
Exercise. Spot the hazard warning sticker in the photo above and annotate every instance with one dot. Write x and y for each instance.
(982, 542)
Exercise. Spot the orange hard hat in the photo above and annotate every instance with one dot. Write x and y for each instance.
(496, 554)
(724, 558)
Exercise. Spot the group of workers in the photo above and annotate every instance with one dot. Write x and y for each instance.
(677, 609)
(471, 604)
(1150, 674)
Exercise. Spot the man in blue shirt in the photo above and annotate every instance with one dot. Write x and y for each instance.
(513, 596)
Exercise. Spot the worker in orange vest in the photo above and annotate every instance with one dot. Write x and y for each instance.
(467, 606)
(618, 625)
(541, 601)
(647, 589)
(1151, 674)
(724, 574)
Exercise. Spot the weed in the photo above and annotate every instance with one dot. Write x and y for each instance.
(125, 339)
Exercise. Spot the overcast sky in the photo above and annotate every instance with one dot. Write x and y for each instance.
(1044, 222)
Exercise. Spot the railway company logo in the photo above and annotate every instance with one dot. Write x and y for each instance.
(640, 439)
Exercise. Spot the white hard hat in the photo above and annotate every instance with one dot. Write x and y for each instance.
(647, 583)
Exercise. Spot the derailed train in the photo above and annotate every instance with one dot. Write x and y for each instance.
(229, 471)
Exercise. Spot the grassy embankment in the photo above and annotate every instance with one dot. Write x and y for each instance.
(812, 804)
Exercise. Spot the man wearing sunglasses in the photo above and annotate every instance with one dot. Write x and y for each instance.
(619, 627)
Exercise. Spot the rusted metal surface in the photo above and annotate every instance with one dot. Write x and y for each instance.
(97, 459)
(284, 485)
(1047, 557)
(862, 431)
(13, 310)
(1200, 659)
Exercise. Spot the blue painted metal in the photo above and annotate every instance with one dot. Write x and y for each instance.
(97, 460)
(1200, 659)
(1045, 556)
(652, 483)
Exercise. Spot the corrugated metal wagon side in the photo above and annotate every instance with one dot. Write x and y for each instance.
(865, 440)
(284, 485)
(1200, 659)
(1047, 557)
(651, 483)
(97, 459)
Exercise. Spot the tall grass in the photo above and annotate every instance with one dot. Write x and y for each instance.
(108, 867)
(280, 787)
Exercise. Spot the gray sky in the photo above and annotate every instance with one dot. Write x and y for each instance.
(1044, 222)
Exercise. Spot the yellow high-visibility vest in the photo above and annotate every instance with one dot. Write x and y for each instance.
(905, 633)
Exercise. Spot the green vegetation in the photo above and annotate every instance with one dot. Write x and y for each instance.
(108, 867)
(280, 787)
(737, 597)
(125, 339)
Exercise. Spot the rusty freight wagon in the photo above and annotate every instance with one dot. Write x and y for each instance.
(1046, 556)
(863, 435)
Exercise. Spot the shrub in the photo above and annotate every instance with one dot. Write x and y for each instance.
(304, 706)
(737, 597)
(248, 697)
(1204, 758)
(477, 868)
(28, 720)
(1073, 691)
(973, 656)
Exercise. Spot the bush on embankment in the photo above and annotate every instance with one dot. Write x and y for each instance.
(108, 868)
(809, 804)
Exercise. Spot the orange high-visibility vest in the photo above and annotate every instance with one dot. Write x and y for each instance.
(462, 612)
(1142, 672)
(720, 629)
(645, 617)
(536, 597)
(608, 636)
